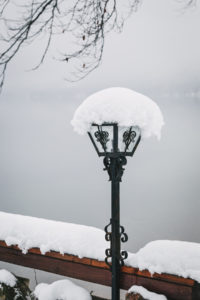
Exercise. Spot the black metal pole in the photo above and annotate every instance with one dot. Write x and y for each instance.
(115, 220)
(114, 162)
(115, 237)
(114, 165)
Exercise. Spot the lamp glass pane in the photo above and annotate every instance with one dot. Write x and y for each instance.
(103, 137)
(128, 137)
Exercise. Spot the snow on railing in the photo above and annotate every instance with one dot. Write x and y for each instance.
(172, 257)
(30, 232)
(78, 251)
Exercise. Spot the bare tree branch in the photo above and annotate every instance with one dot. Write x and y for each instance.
(191, 2)
(86, 22)
(188, 3)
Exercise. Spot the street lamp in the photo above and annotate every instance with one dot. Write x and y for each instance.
(114, 143)
(110, 117)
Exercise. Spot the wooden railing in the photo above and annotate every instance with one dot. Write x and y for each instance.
(91, 270)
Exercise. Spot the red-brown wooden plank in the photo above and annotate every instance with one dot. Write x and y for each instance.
(57, 266)
(91, 270)
(101, 264)
(171, 290)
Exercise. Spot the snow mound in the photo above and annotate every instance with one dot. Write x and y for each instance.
(172, 257)
(29, 232)
(62, 290)
(145, 293)
(7, 278)
(119, 105)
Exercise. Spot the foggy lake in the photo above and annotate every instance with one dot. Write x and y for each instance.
(49, 171)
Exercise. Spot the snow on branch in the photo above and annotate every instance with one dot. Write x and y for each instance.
(13, 287)
(7, 278)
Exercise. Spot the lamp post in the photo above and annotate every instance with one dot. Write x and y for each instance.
(114, 143)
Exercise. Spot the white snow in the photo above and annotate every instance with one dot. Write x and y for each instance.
(121, 105)
(7, 278)
(62, 290)
(172, 257)
(145, 293)
(28, 232)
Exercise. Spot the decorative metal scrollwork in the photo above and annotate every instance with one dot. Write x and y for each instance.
(124, 255)
(107, 164)
(108, 253)
(114, 167)
(128, 137)
(123, 235)
(121, 161)
(102, 137)
(108, 233)
(124, 238)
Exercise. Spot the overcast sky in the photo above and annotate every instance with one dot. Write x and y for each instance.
(158, 49)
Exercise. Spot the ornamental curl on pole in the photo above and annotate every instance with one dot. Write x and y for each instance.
(108, 251)
(124, 255)
(118, 170)
(108, 233)
(123, 235)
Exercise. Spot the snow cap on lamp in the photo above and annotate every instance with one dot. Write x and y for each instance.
(119, 105)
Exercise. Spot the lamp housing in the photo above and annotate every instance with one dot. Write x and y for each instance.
(111, 140)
